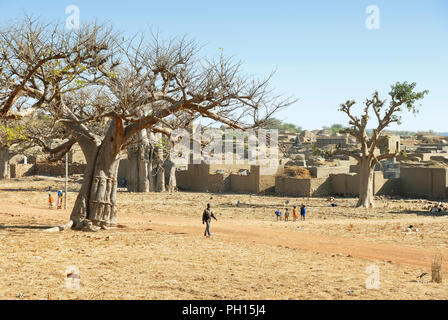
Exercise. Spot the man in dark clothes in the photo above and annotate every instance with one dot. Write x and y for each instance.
(207, 218)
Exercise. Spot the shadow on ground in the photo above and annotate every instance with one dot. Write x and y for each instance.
(25, 227)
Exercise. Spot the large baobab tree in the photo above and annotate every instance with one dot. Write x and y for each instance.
(150, 166)
(104, 91)
(402, 97)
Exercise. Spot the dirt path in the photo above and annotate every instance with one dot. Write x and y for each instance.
(231, 231)
(238, 231)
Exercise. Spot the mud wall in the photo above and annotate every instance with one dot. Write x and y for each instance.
(21, 170)
(424, 182)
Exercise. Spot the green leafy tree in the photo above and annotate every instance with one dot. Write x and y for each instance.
(403, 97)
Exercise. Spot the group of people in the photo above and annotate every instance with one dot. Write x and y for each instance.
(59, 201)
(278, 213)
(208, 215)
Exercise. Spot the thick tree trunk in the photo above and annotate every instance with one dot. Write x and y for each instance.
(81, 208)
(139, 170)
(148, 171)
(170, 175)
(103, 191)
(4, 168)
(366, 196)
(96, 201)
(5, 156)
(160, 178)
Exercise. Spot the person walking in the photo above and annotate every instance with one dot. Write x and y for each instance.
(207, 218)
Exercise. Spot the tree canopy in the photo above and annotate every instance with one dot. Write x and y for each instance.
(274, 123)
(100, 89)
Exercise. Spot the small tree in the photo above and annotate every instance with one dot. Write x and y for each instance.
(402, 95)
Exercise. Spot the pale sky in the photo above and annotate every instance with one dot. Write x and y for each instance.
(322, 50)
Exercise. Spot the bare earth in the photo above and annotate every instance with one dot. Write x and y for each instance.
(160, 252)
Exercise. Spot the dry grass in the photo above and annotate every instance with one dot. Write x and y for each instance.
(140, 263)
(296, 172)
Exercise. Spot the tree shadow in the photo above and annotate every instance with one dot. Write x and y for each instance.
(25, 227)
(34, 190)
(22, 190)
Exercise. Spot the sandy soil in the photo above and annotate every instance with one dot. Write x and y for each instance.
(162, 254)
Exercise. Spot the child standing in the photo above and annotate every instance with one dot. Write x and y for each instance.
(50, 201)
(59, 199)
(302, 212)
(286, 214)
(294, 213)
(278, 213)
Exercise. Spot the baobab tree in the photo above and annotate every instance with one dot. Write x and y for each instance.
(150, 166)
(105, 90)
(403, 97)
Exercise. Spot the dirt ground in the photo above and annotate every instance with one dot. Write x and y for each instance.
(160, 251)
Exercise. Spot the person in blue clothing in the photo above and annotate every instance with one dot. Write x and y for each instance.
(303, 212)
(278, 213)
(59, 203)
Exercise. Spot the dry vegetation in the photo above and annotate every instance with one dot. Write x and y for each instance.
(161, 253)
(296, 172)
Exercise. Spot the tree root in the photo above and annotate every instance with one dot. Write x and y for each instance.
(63, 227)
(83, 225)
(89, 227)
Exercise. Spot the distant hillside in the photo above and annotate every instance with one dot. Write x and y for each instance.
(403, 133)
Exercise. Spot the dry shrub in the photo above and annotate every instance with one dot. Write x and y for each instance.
(296, 172)
(436, 268)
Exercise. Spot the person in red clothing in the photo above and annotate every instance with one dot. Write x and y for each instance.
(50, 201)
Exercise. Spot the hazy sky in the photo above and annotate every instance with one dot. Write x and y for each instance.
(322, 50)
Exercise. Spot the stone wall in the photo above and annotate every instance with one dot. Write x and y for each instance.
(345, 184)
(348, 184)
(219, 182)
(300, 187)
(58, 169)
(424, 182)
(21, 170)
(196, 178)
(323, 172)
(202, 177)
